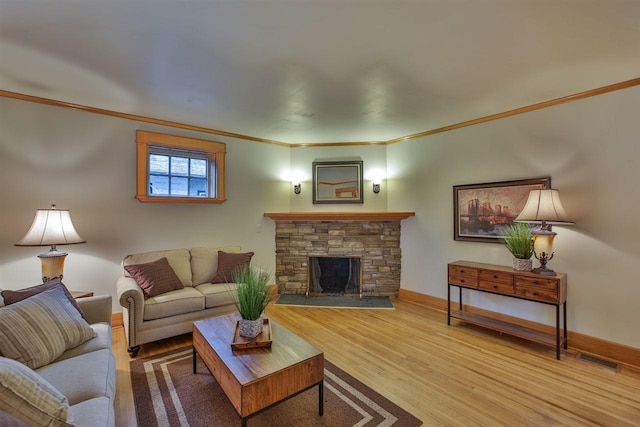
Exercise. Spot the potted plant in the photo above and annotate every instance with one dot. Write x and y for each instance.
(251, 298)
(518, 239)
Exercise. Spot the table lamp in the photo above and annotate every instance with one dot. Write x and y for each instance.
(51, 227)
(544, 207)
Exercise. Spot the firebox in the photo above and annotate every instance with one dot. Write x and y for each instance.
(334, 275)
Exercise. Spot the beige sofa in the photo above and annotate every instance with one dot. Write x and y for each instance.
(173, 313)
(86, 374)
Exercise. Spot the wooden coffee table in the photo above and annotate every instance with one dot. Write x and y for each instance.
(257, 378)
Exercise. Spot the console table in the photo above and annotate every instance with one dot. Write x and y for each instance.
(501, 280)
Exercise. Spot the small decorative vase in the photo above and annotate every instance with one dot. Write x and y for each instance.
(250, 328)
(522, 264)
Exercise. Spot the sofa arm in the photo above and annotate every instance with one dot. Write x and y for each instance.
(96, 309)
(131, 297)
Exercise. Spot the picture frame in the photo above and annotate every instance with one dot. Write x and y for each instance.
(480, 211)
(337, 182)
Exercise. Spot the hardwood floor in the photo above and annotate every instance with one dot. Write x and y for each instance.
(444, 375)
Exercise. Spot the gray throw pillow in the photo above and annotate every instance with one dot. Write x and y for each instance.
(37, 330)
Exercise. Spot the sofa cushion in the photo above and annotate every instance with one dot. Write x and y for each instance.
(101, 341)
(217, 294)
(83, 377)
(228, 262)
(173, 303)
(179, 260)
(37, 330)
(98, 411)
(155, 277)
(11, 297)
(204, 262)
(31, 398)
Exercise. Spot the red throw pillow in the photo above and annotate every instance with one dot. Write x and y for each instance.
(155, 278)
(228, 262)
(12, 297)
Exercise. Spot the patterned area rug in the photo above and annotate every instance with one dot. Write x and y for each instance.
(167, 393)
(335, 301)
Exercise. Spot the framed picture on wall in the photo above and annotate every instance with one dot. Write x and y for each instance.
(482, 211)
(337, 182)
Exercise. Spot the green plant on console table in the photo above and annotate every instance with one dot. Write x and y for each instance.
(519, 240)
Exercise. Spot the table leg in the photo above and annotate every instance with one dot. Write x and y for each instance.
(194, 360)
(321, 398)
(448, 304)
(558, 331)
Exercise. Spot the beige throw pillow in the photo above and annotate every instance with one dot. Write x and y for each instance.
(155, 278)
(37, 330)
(30, 398)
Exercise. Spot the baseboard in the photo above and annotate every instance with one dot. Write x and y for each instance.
(620, 353)
(116, 320)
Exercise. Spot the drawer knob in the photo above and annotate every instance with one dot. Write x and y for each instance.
(495, 286)
(535, 282)
(461, 280)
(495, 276)
(535, 293)
(461, 271)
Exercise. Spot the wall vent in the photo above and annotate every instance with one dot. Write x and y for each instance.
(602, 362)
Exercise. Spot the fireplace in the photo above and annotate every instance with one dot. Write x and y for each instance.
(368, 241)
(334, 275)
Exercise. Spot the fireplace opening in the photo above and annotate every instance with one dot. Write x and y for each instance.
(334, 275)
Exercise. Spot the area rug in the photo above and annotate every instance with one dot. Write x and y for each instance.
(167, 393)
(335, 301)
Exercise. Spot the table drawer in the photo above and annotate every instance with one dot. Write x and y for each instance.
(504, 288)
(537, 293)
(463, 276)
(496, 277)
(538, 283)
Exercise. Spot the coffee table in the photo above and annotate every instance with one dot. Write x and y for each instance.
(255, 379)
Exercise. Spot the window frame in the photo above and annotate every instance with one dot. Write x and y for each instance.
(214, 151)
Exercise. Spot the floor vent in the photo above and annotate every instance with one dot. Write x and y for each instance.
(597, 360)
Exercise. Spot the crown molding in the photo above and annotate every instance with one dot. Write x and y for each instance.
(545, 104)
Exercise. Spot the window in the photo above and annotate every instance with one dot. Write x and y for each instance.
(175, 169)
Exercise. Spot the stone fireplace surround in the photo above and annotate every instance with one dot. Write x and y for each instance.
(374, 237)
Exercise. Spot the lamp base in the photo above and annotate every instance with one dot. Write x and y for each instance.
(544, 271)
(52, 265)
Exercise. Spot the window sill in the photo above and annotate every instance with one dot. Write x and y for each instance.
(160, 199)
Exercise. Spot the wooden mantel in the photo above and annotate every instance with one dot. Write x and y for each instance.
(338, 216)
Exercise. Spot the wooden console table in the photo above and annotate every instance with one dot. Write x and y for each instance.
(501, 280)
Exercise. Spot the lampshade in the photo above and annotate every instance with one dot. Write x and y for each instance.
(544, 206)
(51, 227)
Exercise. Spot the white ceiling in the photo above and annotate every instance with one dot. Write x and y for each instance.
(306, 71)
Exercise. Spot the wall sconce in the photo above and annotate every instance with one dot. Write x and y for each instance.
(544, 207)
(297, 188)
(51, 227)
(376, 176)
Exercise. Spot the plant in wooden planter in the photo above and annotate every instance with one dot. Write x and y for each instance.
(251, 298)
(518, 239)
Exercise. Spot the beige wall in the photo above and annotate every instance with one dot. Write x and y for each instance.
(373, 157)
(590, 149)
(86, 163)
